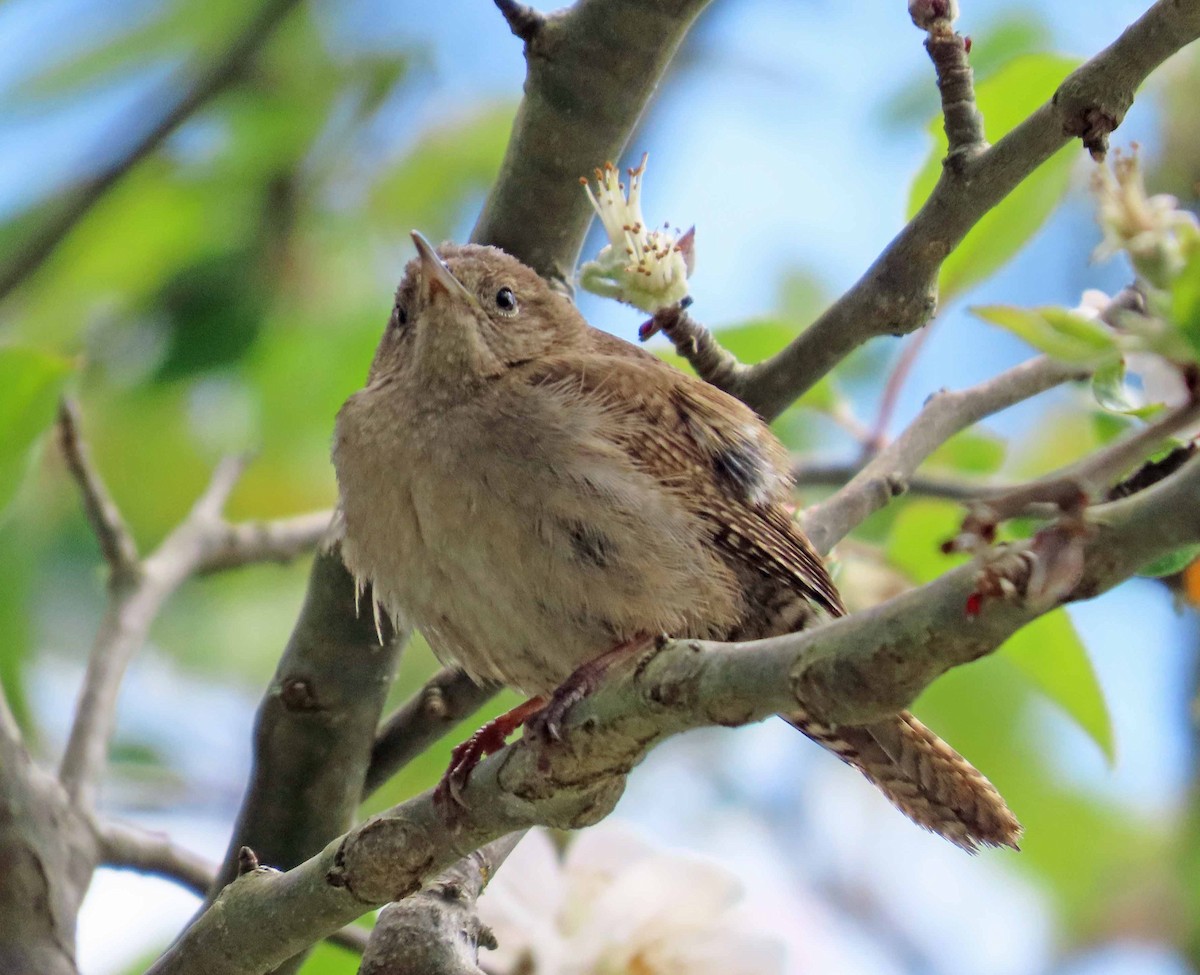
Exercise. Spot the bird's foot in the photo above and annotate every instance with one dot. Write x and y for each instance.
(486, 741)
(547, 723)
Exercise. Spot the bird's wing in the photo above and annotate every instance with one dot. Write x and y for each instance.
(710, 449)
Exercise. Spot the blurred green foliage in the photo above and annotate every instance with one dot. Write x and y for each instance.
(30, 384)
(225, 295)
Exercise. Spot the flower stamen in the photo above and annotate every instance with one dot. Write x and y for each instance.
(644, 268)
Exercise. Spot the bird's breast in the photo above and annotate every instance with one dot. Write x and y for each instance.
(521, 539)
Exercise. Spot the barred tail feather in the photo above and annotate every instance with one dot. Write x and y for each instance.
(923, 777)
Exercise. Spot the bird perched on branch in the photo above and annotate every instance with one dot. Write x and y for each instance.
(539, 497)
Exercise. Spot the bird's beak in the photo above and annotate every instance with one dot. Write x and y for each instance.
(437, 274)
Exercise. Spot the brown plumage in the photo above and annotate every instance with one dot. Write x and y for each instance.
(532, 492)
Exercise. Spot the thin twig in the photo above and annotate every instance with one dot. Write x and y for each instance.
(1086, 479)
(944, 415)
(445, 700)
(891, 390)
(948, 51)
(219, 75)
(208, 507)
(127, 619)
(126, 847)
(522, 20)
(123, 846)
(255, 542)
(712, 361)
(805, 474)
(116, 541)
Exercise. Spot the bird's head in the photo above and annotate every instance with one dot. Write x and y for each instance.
(467, 314)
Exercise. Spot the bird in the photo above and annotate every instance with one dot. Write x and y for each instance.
(539, 497)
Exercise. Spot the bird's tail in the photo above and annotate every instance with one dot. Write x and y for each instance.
(923, 777)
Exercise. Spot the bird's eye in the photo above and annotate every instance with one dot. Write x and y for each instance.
(506, 301)
(399, 316)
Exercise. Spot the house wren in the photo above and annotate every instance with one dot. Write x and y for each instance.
(532, 492)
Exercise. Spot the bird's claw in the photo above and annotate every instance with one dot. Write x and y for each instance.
(547, 724)
(463, 759)
(488, 740)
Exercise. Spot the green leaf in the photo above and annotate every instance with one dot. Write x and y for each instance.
(1168, 565)
(1088, 332)
(163, 32)
(1075, 840)
(30, 383)
(1185, 303)
(1108, 426)
(1050, 655)
(1014, 32)
(213, 309)
(16, 596)
(970, 452)
(448, 164)
(914, 544)
(1108, 386)
(760, 339)
(1055, 331)
(326, 959)
(1006, 98)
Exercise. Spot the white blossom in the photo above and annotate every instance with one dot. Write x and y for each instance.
(1093, 304)
(1152, 229)
(642, 267)
(614, 905)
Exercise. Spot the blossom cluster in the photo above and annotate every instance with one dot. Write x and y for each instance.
(615, 905)
(641, 266)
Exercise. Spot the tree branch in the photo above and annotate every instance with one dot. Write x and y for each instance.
(897, 294)
(48, 854)
(253, 542)
(219, 75)
(46, 834)
(698, 346)
(436, 931)
(945, 414)
(806, 474)
(314, 729)
(855, 670)
(125, 847)
(116, 541)
(956, 82)
(591, 71)
(132, 608)
(1084, 480)
(525, 22)
(202, 542)
(447, 698)
(1087, 478)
